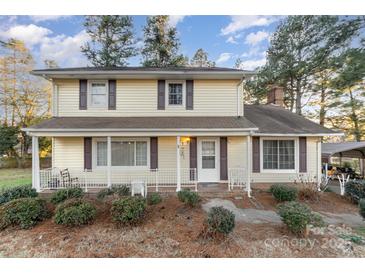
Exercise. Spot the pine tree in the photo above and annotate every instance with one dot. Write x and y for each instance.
(161, 45)
(112, 41)
(200, 59)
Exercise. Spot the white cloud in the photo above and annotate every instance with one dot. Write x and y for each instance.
(41, 18)
(231, 40)
(252, 64)
(65, 50)
(255, 38)
(241, 22)
(30, 34)
(175, 19)
(224, 57)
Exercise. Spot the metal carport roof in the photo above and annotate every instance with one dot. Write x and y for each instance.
(347, 149)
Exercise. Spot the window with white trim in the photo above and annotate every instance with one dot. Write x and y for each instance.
(175, 94)
(278, 154)
(98, 94)
(124, 153)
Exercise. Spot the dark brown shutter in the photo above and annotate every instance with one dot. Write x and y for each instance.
(154, 152)
(193, 148)
(112, 94)
(302, 154)
(83, 94)
(223, 158)
(87, 153)
(161, 94)
(189, 94)
(255, 154)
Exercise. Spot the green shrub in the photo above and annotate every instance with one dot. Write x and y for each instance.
(17, 192)
(283, 193)
(122, 190)
(128, 210)
(154, 199)
(297, 216)
(362, 207)
(24, 212)
(220, 220)
(68, 193)
(75, 212)
(188, 197)
(355, 190)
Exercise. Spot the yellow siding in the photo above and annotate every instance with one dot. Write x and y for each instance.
(139, 98)
(68, 153)
(167, 153)
(237, 152)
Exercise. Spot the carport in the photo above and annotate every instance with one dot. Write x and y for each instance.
(347, 149)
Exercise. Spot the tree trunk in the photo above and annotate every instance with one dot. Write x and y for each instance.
(298, 98)
(354, 118)
(322, 110)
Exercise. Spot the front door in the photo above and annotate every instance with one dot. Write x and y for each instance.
(208, 155)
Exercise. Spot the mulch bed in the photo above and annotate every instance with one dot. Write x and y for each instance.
(170, 229)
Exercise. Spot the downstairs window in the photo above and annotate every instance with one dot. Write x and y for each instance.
(278, 154)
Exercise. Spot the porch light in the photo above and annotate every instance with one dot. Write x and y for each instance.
(185, 140)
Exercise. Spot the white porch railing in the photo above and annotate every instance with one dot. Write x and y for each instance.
(53, 178)
(237, 177)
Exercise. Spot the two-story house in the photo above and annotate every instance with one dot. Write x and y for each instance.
(170, 127)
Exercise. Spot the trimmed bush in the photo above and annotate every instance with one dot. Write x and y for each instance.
(188, 197)
(24, 212)
(154, 199)
(220, 221)
(283, 193)
(362, 207)
(355, 190)
(121, 191)
(17, 192)
(75, 212)
(129, 210)
(68, 193)
(307, 193)
(297, 216)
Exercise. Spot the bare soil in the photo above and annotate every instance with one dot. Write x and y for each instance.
(172, 229)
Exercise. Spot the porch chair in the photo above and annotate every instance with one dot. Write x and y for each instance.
(66, 179)
(139, 187)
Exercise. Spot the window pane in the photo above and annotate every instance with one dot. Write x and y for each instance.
(208, 161)
(98, 94)
(175, 94)
(101, 154)
(127, 150)
(141, 153)
(286, 154)
(208, 148)
(270, 154)
(116, 154)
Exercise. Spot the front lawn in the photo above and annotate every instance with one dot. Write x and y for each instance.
(10, 177)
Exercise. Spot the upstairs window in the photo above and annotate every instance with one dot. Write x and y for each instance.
(278, 154)
(175, 94)
(98, 94)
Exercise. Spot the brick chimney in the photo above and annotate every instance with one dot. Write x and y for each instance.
(276, 96)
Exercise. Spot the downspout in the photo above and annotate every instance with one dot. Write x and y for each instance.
(238, 97)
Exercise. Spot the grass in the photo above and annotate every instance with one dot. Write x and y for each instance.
(10, 177)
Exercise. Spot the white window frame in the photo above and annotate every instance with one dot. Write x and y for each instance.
(183, 82)
(296, 155)
(121, 139)
(89, 88)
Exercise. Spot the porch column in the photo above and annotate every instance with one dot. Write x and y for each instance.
(249, 164)
(178, 172)
(109, 161)
(319, 164)
(35, 164)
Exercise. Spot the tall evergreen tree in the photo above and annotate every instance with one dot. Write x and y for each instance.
(300, 48)
(112, 41)
(200, 59)
(161, 44)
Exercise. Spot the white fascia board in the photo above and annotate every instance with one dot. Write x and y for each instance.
(298, 134)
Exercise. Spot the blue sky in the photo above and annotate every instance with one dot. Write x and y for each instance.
(225, 38)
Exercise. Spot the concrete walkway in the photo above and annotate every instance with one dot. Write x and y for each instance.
(258, 216)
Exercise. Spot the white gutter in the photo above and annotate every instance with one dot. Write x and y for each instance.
(298, 134)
